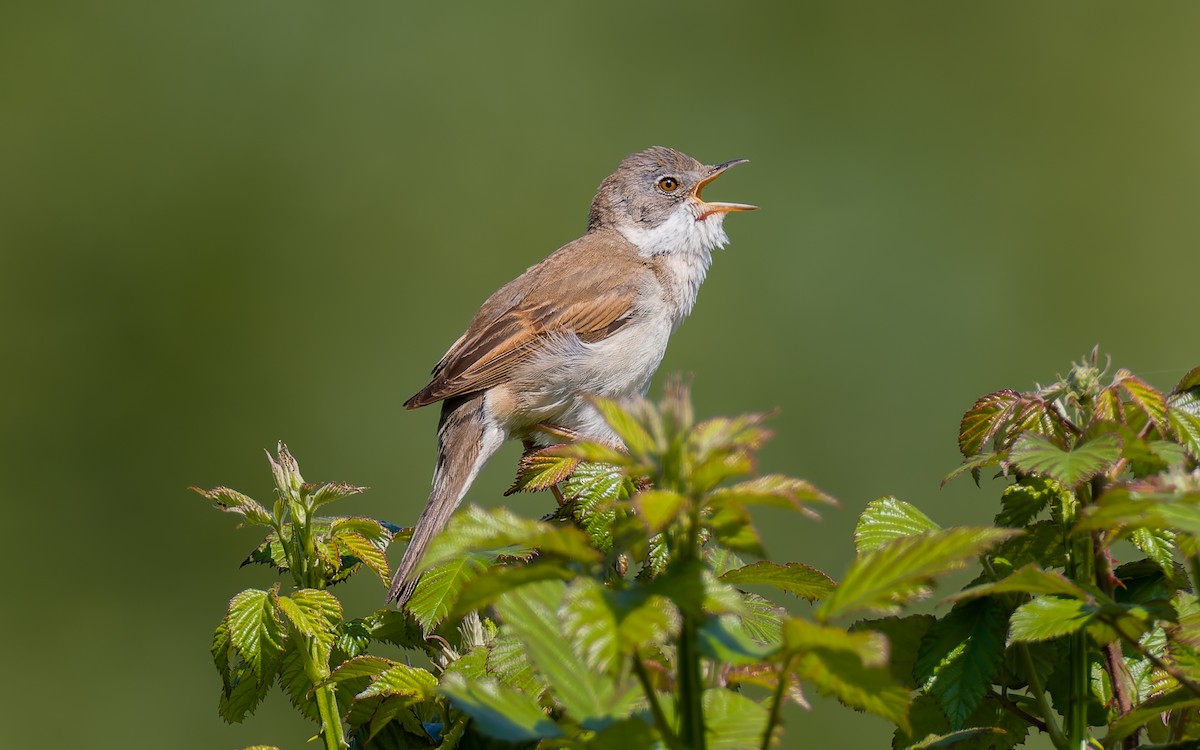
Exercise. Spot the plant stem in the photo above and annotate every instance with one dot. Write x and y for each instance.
(1043, 700)
(690, 684)
(660, 719)
(326, 697)
(777, 702)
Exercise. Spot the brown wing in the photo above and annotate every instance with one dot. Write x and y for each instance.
(547, 301)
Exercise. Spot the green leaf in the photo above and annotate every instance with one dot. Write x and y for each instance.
(599, 482)
(243, 696)
(1158, 544)
(500, 531)
(848, 665)
(363, 550)
(312, 612)
(402, 680)
(441, 586)
(904, 635)
(481, 591)
(886, 519)
(960, 655)
(795, 578)
(628, 734)
(532, 614)
(508, 661)
(232, 501)
(1030, 579)
(295, 682)
(1146, 398)
(903, 570)
(360, 666)
(499, 711)
(624, 420)
(1033, 453)
(733, 528)
(1044, 617)
(1176, 700)
(658, 508)
(319, 494)
(644, 621)
(763, 620)
(993, 728)
(590, 623)
(775, 490)
(732, 721)
(1121, 508)
(1023, 501)
(541, 471)
(955, 738)
(1186, 427)
(726, 641)
(255, 632)
(975, 463)
(984, 421)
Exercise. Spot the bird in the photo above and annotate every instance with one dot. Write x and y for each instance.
(590, 320)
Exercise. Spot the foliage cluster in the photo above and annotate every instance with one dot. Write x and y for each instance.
(634, 617)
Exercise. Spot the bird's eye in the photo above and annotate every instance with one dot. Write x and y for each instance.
(668, 184)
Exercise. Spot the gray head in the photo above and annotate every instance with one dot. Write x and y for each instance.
(659, 186)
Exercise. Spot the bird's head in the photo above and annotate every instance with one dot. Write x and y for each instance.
(654, 200)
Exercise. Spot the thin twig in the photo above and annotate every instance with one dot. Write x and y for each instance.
(1043, 700)
(1008, 703)
(777, 701)
(660, 719)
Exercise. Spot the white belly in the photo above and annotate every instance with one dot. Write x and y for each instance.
(560, 380)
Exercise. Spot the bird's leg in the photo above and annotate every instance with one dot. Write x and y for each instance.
(558, 431)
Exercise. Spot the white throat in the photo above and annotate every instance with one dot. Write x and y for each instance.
(685, 245)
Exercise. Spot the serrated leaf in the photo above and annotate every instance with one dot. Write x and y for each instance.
(1030, 579)
(296, 683)
(590, 624)
(627, 734)
(903, 570)
(658, 508)
(243, 696)
(848, 665)
(500, 531)
(499, 711)
(885, 519)
(361, 666)
(733, 527)
(531, 613)
(960, 655)
(232, 501)
(320, 494)
(508, 661)
(1045, 617)
(775, 490)
(983, 421)
(1176, 700)
(1021, 502)
(1158, 544)
(1121, 508)
(1186, 427)
(1036, 454)
(732, 721)
(441, 586)
(904, 635)
(644, 621)
(795, 578)
(363, 550)
(540, 471)
(255, 632)
(1149, 400)
(402, 680)
(975, 463)
(379, 533)
(625, 422)
(725, 640)
(313, 613)
(484, 589)
(286, 470)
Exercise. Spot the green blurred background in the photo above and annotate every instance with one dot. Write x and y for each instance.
(227, 223)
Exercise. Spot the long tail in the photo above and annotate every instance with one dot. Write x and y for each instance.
(466, 440)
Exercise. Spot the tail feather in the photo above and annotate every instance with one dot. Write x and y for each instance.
(466, 440)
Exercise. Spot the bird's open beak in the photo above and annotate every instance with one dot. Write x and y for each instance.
(708, 209)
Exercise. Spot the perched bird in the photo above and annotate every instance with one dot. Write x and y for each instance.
(592, 319)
